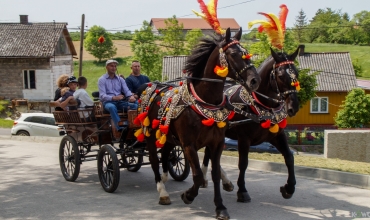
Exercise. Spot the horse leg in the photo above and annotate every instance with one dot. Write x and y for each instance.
(164, 198)
(164, 157)
(205, 167)
(243, 148)
(189, 195)
(221, 211)
(281, 144)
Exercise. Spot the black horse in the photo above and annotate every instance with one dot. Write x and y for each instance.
(200, 101)
(276, 96)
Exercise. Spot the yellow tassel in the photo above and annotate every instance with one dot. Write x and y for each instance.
(274, 128)
(151, 99)
(147, 133)
(146, 121)
(139, 109)
(221, 124)
(167, 109)
(138, 132)
(144, 92)
(223, 72)
(298, 88)
(158, 134)
(163, 139)
(176, 91)
(162, 94)
(292, 84)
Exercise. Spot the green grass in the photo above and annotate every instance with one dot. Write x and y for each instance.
(311, 161)
(361, 53)
(6, 123)
(93, 70)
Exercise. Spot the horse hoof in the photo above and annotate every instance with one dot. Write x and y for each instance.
(243, 197)
(284, 193)
(205, 184)
(222, 214)
(164, 200)
(228, 187)
(185, 199)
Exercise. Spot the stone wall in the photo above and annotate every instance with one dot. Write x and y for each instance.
(351, 145)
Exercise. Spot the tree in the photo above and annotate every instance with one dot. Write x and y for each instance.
(355, 112)
(300, 25)
(308, 85)
(362, 26)
(192, 39)
(173, 37)
(147, 52)
(99, 50)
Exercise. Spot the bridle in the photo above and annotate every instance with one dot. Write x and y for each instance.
(291, 74)
(223, 60)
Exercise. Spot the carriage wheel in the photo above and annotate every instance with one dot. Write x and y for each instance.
(133, 159)
(108, 168)
(69, 158)
(178, 166)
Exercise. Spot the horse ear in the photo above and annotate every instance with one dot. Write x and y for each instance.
(238, 34)
(228, 35)
(294, 55)
(274, 55)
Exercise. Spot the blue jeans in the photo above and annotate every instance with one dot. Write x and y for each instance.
(113, 106)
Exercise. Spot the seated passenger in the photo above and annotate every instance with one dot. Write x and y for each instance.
(114, 93)
(136, 79)
(84, 99)
(67, 95)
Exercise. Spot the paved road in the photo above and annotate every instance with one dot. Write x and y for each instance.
(5, 131)
(32, 187)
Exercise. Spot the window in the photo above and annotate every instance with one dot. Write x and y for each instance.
(29, 79)
(50, 121)
(320, 105)
(35, 119)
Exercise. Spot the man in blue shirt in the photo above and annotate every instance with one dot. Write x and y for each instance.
(135, 80)
(114, 93)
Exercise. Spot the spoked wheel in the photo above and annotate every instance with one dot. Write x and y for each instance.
(108, 168)
(69, 158)
(133, 159)
(178, 166)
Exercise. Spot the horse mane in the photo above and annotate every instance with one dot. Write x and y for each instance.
(199, 56)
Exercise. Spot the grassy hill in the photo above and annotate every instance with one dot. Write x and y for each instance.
(93, 70)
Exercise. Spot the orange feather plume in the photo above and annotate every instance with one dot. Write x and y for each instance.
(209, 13)
(274, 27)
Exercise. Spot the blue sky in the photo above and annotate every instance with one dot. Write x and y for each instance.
(129, 15)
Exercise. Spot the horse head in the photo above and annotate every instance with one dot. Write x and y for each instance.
(241, 68)
(285, 78)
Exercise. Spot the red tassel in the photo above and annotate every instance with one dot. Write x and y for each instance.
(159, 145)
(164, 119)
(208, 122)
(141, 137)
(142, 116)
(169, 100)
(147, 108)
(231, 115)
(137, 121)
(155, 123)
(149, 84)
(159, 103)
(163, 128)
(170, 88)
(181, 83)
(266, 124)
(139, 101)
(156, 91)
(283, 123)
(183, 71)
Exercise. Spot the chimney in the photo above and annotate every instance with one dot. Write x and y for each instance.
(301, 49)
(23, 19)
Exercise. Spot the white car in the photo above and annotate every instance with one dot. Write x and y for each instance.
(35, 124)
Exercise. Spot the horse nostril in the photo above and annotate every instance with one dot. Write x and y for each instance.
(253, 81)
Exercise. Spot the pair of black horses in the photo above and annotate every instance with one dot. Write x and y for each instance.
(272, 82)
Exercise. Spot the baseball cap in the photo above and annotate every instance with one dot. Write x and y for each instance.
(110, 61)
(72, 79)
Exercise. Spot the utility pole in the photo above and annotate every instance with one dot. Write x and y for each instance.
(81, 44)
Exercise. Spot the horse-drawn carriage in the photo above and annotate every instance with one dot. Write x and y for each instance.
(89, 135)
